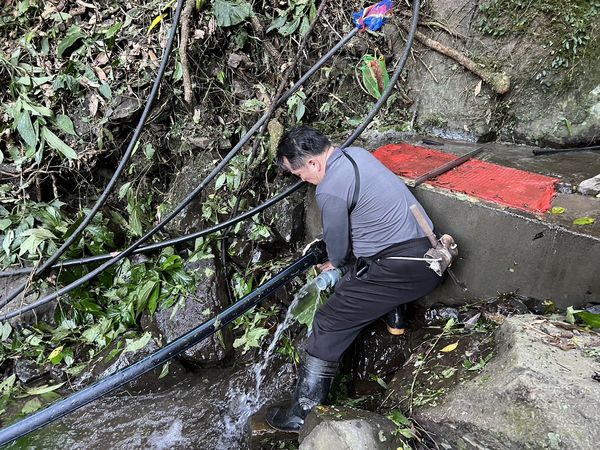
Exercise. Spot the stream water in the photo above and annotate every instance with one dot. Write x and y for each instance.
(201, 410)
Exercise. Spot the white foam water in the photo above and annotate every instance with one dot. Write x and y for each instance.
(243, 404)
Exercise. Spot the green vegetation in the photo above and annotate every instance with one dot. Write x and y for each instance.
(570, 29)
(76, 78)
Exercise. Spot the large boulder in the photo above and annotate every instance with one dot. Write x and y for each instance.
(44, 313)
(344, 428)
(197, 166)
(286, 218)
(554, 95)
(209, 299)
(540, 391)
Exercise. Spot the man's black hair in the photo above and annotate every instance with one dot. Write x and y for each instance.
(299, 144)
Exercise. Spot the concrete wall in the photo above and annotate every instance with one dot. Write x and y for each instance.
(505, 251)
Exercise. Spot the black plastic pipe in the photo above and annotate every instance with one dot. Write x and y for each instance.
(69, 404)
(187, 200)
(122, 164)
(547, 151)
(169, 242)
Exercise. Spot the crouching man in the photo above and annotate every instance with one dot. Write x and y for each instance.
(367, 223)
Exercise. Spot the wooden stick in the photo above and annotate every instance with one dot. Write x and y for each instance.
(185, 32)
(500, 82)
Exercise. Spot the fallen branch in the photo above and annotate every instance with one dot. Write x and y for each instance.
(260, 33)
(186, 14)
(500, 82)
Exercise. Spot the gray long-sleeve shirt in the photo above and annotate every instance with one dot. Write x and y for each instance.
(381, 216)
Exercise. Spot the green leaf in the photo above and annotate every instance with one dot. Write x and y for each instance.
(44, 389)
(308, 303)
(592, 320)
(4, 224)
(113, 30)
(105, 90)
(144, 292)
(374, 75)
(290, 27)
(5, 330)
(570, 316)
(557, 210)
(25, 129)
(123, 190)
(251, 338)
(277, 23)
(65, 124)
(73, 35)
(178, 72)
(7, 385)
(406, 432)
(584, 221)
(58, 144)
(230, 13)
(35, 237)
(137, 344)
(398, 418)
(31, 406)
(165, 370)
(149, 151)
(37, 110)
(56, 355)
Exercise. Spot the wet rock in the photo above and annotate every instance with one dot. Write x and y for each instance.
(44, 313)
(439, 315)
(594, 309)
(564, 188)
(343, 428)
(544, 105)
(27, 370)
(532, 394)
(591, 186)
(286, 218)
(537, 306)
(185, 181)
(106, 365)
(261, 433)
(208, 300)
(122, 108)
(378, 353)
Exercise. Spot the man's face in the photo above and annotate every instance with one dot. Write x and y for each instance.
(309, 171)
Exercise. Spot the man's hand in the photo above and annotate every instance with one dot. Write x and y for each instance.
(325, 266)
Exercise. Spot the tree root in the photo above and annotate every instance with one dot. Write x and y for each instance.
(186, 15)
(500, 82)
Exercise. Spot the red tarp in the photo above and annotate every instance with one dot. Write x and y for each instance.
(497, 184)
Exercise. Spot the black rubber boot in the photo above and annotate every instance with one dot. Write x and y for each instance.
(314, 381)
(396, 320)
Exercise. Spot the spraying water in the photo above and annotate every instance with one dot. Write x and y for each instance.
(244, 404)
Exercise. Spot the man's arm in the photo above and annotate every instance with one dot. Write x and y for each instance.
(336, 228)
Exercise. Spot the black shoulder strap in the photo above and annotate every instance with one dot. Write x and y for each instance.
(356, 182)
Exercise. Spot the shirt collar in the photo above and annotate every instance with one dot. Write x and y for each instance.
(335, 155)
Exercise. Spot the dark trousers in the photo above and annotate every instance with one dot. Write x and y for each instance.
(373, 288)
